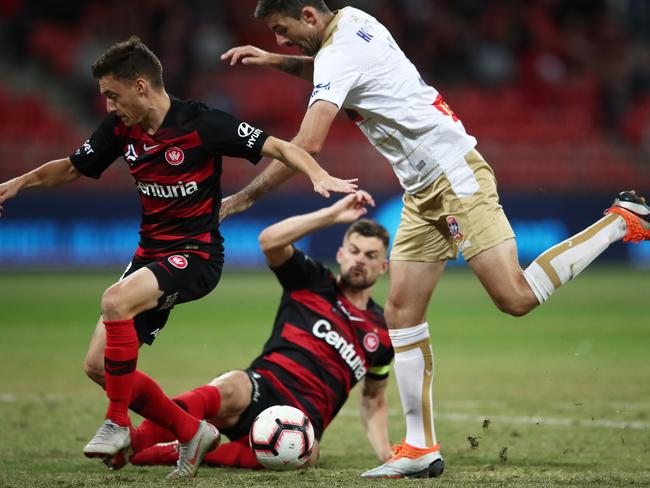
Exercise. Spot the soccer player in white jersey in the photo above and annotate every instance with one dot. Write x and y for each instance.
(450, 201)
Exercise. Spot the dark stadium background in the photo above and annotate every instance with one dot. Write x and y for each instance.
(556, 91)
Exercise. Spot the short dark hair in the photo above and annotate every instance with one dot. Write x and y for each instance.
(369, 228)
(289, 8)
(129, 60)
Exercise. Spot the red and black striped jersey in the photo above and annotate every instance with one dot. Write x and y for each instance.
(321, 344)
(176, 171)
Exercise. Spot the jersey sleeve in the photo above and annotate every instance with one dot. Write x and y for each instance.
(335, 74)
(300, 271)
(378, 372)
(380, 363)
(100, 151)
(228, 136)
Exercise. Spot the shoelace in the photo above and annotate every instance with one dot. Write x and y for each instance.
(401, 450)
(182, 465)
(397, 450)
(106, 431)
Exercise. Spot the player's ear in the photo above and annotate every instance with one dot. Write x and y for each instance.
(384, 266)
(141, 86)
(308, 15)
(339, 255)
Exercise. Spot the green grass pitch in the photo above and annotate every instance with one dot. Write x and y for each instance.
(559, 397)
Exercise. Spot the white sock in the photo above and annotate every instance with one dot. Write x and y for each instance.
(565, 261)
(414, 374)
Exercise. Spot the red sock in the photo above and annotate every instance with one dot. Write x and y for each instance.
(160, 409)
(120, 360)
(154, 455)
(148, 434)
(202, 403)
(236, 454)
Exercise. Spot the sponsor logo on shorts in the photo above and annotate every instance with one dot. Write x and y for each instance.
(256, 387)
(178, 261)
(371, 341)
(454, 228)
(174, 155)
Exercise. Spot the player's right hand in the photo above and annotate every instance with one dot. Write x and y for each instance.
(234, 204)
(249, 55)
(7, 190)
(351, 207)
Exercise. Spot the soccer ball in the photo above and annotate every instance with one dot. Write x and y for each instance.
(282, 437)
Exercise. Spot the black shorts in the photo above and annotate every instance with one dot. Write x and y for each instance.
(182, 278)
(263, 396)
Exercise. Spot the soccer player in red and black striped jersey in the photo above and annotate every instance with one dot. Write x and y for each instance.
(328, 335)
(174, 151)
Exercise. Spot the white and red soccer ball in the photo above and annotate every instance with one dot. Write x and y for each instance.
(282, 438)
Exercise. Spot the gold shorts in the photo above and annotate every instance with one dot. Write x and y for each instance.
(436, 223)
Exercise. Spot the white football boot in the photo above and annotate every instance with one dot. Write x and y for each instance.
(108, 441)
(410, 462)
(192, 452)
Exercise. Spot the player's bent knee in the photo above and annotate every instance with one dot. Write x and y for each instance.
(399, 317)
(392, 313)
(233, 385)
(112, 303)
(94, 371)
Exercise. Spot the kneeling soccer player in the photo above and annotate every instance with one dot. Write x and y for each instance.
(301, 365)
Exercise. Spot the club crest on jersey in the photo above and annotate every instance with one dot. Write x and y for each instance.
(178, 261)
(174, 156)
(371, 342)
(454, 228)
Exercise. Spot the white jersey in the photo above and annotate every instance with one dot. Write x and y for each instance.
(361, 68)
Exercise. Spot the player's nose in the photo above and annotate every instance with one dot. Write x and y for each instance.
(110, 106)
(282, 41)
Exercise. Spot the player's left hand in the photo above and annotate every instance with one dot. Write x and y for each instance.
(330, 183)
(351, 207)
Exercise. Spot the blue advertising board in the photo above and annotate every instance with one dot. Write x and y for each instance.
(55, 229)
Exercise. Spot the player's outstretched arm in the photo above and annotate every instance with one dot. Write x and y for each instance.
(300, 66)
(374, 415)
(53, 173)
(311, 137)
(299, 160)
(277, 240)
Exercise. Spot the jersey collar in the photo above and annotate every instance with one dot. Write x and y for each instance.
(170, 116)
(332, 27)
